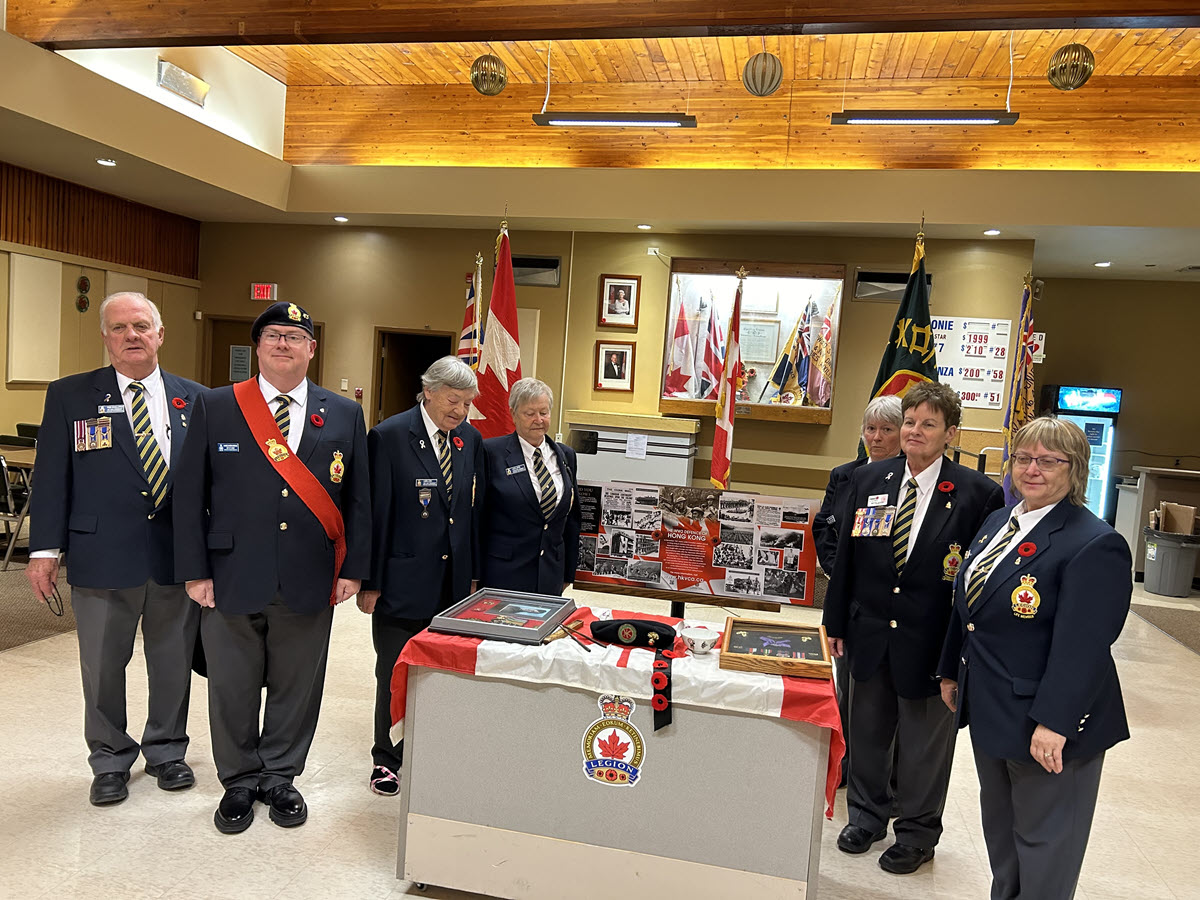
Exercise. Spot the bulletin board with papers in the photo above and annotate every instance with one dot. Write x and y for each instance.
(692, 540)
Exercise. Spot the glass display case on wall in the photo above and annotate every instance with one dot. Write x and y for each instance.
(788, 334)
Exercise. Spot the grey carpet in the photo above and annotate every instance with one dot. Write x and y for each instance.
(1181, 624)
(23, 619)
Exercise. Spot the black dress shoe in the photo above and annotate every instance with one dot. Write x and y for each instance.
(109, 788)
(856, 839)
(904, 859)
(172, 776)
(236, 811)
(288, 808)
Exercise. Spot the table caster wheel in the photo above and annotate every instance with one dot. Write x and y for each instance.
(421, 886)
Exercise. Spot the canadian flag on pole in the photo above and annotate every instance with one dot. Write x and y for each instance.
(732, 380)
(500, 354)
(681, 373)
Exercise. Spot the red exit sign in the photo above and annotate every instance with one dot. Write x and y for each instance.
(263, 291)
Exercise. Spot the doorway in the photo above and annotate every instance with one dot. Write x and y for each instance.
(229, 353)
(400, 359)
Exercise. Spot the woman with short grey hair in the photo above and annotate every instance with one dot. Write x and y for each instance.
(530, 525)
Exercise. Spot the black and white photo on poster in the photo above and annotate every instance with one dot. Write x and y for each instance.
(781, 537)
(769, 557)
(646, 545)
(620, 543)
(791, 559)
(768, 514)
(645, 571)
(733, 556)
(611, 568)
(618, 497)
(795, 512)
(687, 503)
(647, 519)
(781, 583)
(587, 552)
(616, 518)
(742, 583)
(645, 497)
(736, 508)
(736, 534)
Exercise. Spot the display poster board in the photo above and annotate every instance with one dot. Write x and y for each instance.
(696, 540)
(972, 357)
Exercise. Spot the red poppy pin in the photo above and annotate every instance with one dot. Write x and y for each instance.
(316, 420)
(178, 402)
(1027, 549)
(946, 487)
(458, 443)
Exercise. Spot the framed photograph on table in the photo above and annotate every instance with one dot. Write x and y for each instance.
(614, 366)
(620, 296)
(505, 616)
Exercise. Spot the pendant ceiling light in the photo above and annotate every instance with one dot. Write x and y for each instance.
(489, 75)
(763, 74)
(1070, 67)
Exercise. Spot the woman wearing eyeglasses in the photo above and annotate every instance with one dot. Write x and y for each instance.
(1041, 598)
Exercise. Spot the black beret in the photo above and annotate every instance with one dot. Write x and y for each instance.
(635, 633)
(281, 313)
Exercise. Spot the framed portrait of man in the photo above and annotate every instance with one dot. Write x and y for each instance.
(614, 366)
(619, 300)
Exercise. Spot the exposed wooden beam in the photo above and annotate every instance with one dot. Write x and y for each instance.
(131, 23)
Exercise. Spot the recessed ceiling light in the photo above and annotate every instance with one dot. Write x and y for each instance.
(341, 220)
(992, 232)
(105, 161)
(1102, 265)
(644, 227)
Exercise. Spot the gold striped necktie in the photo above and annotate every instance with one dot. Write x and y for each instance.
(153, 463)
(980, 574)
(545, 482)
(444, 462)
(282, 417)
(904, 520)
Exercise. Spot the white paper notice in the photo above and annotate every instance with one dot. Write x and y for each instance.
(635, 446)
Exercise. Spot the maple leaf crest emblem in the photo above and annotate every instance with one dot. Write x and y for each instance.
(612, 747)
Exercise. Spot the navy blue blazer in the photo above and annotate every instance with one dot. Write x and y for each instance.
(522, 549)
(902, 618)
(232, 505)
(414, 558)
(96, 505)
(826, 523)
(1018, 665)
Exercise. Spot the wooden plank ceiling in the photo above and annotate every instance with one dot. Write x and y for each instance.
(1156, 52)
(132, 23)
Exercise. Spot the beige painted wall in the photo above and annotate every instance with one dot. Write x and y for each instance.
(970, 278)
(357, 279)
(80, 345)
(1139, 336)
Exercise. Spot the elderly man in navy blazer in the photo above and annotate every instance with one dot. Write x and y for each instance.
(427, 484)
(909, 520)
(530, 532)
(107, 453)
(272, 529)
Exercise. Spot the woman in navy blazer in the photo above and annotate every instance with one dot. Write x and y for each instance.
(530, 529)
(1042, 595)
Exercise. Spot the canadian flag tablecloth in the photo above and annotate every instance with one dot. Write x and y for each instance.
(695, 680)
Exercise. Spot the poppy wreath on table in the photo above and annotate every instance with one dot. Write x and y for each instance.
(178, 402)
(316, 420)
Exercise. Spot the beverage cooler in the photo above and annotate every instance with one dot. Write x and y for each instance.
(1094, 409)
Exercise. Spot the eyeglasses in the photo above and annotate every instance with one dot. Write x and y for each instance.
(1045, 463)
(54, 601)
(293, 339)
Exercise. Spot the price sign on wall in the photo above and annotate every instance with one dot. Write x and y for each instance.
(972, 357)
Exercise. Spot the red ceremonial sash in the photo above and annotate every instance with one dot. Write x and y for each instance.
(297, 475)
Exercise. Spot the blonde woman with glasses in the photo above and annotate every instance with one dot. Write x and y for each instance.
(1038, 603)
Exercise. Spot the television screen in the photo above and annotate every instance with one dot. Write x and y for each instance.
(1089, 400)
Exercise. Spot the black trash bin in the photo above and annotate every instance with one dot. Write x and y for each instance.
(1170, 561)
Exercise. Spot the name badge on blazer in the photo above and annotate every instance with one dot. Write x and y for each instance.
(877, 500)
(426, 483)
(228, 448)
(105, 409)
(514, 470)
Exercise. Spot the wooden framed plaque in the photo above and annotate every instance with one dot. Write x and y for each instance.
(775, 648)
(505, 616)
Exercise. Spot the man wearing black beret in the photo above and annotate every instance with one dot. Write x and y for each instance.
(272, 529)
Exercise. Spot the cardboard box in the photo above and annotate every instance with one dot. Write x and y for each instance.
(1176, 518)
